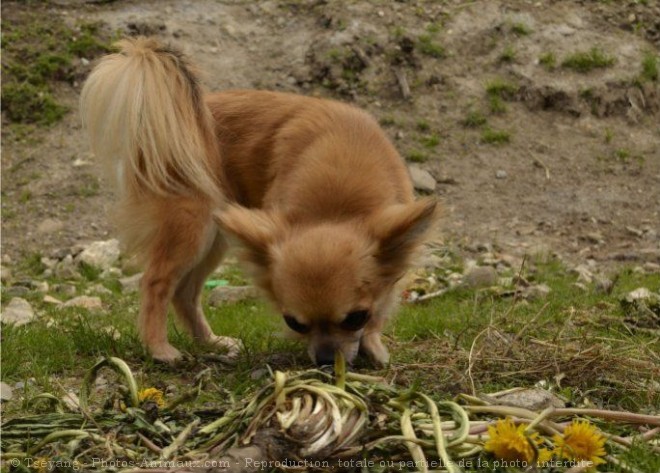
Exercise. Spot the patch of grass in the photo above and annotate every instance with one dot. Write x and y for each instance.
(495, 137)
(548, 60)
(496, 105)
(423, 125)
(587, 61)
(650, 67)
(474, 119)
(521, 29)
(430, 141)
(39, 50)
(417, 156)
(427, 45)
(609, 135)
(501, 88)
(508, 54)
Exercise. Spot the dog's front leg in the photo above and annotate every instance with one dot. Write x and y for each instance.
(372, 346)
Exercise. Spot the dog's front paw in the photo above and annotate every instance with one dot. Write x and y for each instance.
(232, 345)
(165, 353)
(372, 346)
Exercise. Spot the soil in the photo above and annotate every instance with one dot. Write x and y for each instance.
(579, 176)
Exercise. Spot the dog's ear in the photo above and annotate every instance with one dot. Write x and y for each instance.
(400, 230)
(255, 229)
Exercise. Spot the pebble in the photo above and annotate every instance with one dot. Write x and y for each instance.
(18, 312)
(85, 302)
(101, 254)
(533, 399)
(6, 392)
(48, 299)
(422, 179)
(480, 277)
(500, 174)
(539, 291)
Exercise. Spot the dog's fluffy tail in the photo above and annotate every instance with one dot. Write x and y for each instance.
(147, 121)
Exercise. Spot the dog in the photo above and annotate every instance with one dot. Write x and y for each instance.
(311, 189)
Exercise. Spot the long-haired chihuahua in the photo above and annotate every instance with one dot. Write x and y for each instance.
(311, 189)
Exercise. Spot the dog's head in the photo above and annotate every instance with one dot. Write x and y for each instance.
(333, 282)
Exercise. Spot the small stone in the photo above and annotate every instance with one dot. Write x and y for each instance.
(480, 277)
(533, 399)
(99, 289)
(500, 174)
(85, 302)
(48, 299)
(231, 294)
(131, 283)
(70, 400)
(101, 254)
(604, 285)
(422, 179)
(595, 238)
(6, 392)
(18, 312)
(539, 291)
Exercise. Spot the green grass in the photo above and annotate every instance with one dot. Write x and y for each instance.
(474, 119)
(39, 51)
(583, 337)
(495, 137)
(521, 29)
(508, 54)
(650, 67)
(501, 88)
(430, 141)
(417, 156)
(587, 61)
(428, 46)
(548, 60)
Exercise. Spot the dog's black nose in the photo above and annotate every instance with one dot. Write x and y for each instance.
(324, 355)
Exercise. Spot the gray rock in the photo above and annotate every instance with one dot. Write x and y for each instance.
(48, 299)
(17, 312)
(66, 269)
(422, 179)
(500, 174)
(231, 294)
(6, 392)
(85, 302)
(100, 254)
(539, 291)
(533, 399)
(480, 277)
(131, 283)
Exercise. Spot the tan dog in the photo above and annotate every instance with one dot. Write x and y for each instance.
(312, 189)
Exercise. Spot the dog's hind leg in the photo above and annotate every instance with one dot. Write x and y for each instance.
(182, 240)
(187, 300)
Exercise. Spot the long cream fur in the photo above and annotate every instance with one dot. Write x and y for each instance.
(146, 118)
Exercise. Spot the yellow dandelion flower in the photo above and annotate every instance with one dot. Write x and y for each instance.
(508, 441)
(153, 395)
(581, 441)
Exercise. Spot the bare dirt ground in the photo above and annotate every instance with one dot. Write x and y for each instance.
(576, 169)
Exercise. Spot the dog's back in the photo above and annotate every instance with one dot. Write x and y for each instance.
(322, 159)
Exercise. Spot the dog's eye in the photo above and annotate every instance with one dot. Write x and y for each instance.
(295, 325)
(355, 320)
